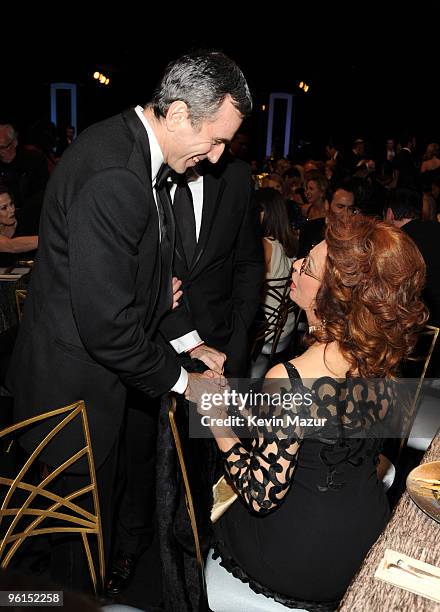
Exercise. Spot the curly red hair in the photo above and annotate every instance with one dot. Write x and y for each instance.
(370, 295)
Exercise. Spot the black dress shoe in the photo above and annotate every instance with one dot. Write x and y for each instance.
(121, 572)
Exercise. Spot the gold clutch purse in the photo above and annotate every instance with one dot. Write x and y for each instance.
(224, 495)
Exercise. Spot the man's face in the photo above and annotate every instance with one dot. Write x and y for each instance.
(359, 147)
(188, 145)
(310, 165)
(8, 144)
(342, 204)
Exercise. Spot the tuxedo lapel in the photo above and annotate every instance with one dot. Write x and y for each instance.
(140, 163)
(140, 159)
(213, 188)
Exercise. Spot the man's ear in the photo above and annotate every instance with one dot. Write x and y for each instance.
(177, 114)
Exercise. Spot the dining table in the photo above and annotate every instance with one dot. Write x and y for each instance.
(410, 532)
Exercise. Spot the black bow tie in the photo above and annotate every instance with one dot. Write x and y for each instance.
(162, 176)
(181, 180)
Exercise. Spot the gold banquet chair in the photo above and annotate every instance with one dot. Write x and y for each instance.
(415, 367)
(20, 297)
(223, 495)
(70, 517)
(270, 330)
(418, 366)
(186, 485)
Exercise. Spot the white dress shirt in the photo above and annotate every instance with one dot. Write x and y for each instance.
(156, 162)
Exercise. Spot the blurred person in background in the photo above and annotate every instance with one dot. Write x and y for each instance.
(24, 172)
(11, 244)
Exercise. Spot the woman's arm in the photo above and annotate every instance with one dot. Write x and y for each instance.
(267, 248)
(262, 476)
(21, 244)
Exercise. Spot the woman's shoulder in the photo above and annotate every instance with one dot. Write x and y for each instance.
(321, 361)
(282, 370)
(277, 377)
(299, 366)
(277, 371)
(271, 242)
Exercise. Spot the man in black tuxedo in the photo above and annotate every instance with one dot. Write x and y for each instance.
(404, 208)
(102, 280)
(405, 165)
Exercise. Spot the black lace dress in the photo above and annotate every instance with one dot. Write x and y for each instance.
(310, 507)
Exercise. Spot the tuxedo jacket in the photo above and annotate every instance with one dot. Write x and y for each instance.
(426, 235)
(408, 173)
(222, 285)
(95, 295)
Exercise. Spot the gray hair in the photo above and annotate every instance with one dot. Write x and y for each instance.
(202, 80)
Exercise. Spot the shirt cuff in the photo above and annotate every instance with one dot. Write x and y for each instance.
(186, 342)
(182, 382)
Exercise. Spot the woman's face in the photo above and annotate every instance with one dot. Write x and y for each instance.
(307, 276)
(7, 210)
(313, 192)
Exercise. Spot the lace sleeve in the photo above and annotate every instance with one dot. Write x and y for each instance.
(263, 474)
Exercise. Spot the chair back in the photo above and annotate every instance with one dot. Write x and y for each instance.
(186, 484)
(20, 297)
(270, 329)
(59, 514)
(416, 367)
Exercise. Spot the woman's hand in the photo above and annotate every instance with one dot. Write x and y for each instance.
(177, 293)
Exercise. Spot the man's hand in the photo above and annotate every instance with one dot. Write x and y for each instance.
(177, 294)
(204, 385)
(214, 359)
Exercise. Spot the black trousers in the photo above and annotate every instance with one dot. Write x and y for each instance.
(137, 475)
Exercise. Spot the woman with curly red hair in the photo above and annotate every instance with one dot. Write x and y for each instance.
(312, 504)
(366, 312)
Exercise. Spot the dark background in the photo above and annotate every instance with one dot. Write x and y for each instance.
(372, 67)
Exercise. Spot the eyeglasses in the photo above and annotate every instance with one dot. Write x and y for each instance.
(305, 268)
